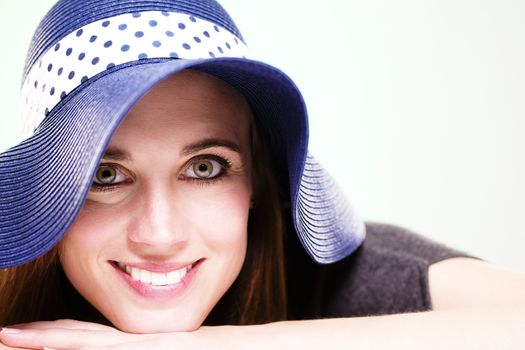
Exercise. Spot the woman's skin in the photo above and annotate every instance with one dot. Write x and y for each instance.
(162, 212)
(172, 194)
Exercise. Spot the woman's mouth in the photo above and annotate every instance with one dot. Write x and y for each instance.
(157, 281)
(155, 278)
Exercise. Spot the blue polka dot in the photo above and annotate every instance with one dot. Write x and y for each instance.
(43, 87)
(157, 43)
(49, 67)
(71, 75)
(136, 14)
(36, 84)
(60, 70)
(52, 91)
(236, 41)
(108, 44)
(92, 39)
(105, 24)
(212, 54)
(153, 23)
(122, 27)
(193, 19)
(139, 34)
(84, 79)
(174, 55)
(186, 46)
(40, 64)
(182, 26)
(124, 48)
(95, 60)
(197, 39)
(111, 65)
(228, 46)
(46, 112)
(220, 49)
(165, 13)
(57, 47)
(143, 56)
(62, 95)
(206, 34)
(81, 56)
(69, 51)
(169, 33)
(216, 28)
(79, 32)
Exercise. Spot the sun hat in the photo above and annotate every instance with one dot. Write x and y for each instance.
(90, 61)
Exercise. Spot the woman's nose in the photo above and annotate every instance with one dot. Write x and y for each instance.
(157, 220)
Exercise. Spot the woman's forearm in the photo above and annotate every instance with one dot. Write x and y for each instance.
(466, 329)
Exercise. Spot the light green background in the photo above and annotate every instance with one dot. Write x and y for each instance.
(417, 107)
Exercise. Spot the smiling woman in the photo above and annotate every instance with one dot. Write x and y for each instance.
(164, 194)
(151, 227)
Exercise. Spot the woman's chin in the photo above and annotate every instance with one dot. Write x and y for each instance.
(150, 329)
(146, 325)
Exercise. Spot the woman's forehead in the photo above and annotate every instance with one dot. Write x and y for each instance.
(184, 108)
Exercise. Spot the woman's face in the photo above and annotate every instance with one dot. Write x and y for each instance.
(163, 232)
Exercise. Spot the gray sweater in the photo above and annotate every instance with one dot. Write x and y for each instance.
(388, 274)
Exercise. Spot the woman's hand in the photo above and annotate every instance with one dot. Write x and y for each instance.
(71, 334)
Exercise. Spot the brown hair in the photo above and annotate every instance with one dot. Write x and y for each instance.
(259, 293)
(36, 291)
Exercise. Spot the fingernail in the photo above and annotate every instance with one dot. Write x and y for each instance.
(10, 330)
(48, 348)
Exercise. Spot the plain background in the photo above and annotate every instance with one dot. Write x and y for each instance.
(416, 106)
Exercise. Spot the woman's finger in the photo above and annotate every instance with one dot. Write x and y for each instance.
(65, 324)
(61, 338)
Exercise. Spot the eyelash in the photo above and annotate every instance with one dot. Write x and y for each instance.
(223, 162)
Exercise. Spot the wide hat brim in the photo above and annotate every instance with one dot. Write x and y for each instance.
(45, 179)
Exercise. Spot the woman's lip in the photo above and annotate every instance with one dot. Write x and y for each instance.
(159, 292)
(158, 267)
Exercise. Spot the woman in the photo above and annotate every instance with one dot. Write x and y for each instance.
(160, 193)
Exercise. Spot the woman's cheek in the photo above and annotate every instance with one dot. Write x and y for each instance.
(222, 216)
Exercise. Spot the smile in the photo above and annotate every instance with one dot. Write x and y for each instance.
(155, 278)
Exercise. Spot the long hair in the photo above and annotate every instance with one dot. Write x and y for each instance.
(259, 293)
(26, 290)
(37, 290)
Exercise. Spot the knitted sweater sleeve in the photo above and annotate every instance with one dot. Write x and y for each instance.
(388, 274)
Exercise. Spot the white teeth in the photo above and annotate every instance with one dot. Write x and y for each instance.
(173, 277)
(135, 274)
(155, 278)
(158, 279)
(145, 276)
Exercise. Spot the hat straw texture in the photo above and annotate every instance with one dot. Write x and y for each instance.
(90, 62)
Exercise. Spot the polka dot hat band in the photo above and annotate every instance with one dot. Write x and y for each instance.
(90, 61)
(108, 42)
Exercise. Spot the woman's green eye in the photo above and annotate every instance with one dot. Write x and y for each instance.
(204, 169)
(106, 175)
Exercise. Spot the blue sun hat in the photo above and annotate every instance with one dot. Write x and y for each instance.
(90, 61)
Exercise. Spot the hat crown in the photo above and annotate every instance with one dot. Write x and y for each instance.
(68, 15)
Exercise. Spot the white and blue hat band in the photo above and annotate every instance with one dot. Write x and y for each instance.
(109, 42)
(90, 62)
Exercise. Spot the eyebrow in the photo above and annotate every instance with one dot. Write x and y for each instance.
(209, 143)
(116, 154)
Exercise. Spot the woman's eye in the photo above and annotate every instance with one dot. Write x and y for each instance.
(107, 175)
(204, 169)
